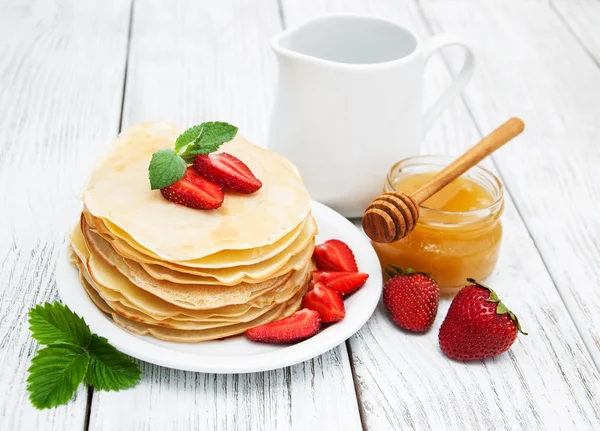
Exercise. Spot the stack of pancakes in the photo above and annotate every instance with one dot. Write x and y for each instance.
(184, 274)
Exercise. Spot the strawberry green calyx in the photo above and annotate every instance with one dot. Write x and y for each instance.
(501, 308)
(394, 270)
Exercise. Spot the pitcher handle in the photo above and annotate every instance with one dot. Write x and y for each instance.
(430, 47)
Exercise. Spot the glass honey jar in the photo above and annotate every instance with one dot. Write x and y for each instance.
(458, 233)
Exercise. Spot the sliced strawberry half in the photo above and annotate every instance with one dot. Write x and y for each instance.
(299, 326)
(228, 171)
(194, 191)
(328, 303)
(335, 255)
(340, 282)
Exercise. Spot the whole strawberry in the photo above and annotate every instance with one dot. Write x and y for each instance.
(412, 298)
(478, 325)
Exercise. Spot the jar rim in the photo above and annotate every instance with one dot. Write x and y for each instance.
(443, 161)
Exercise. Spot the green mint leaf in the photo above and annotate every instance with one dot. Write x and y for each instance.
(55, 323)
(189, 158)
(166, 168)
(210, 137)
(55, 373)
(187, 138)
(109, 369)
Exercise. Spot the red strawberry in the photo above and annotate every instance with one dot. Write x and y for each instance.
(328, 303)
(340, 282)
(299, 326)
(334, 255)
(478, 325)
(228, 171)
(194, 191)
(412, 299)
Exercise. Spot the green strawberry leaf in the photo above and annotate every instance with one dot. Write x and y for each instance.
(55, 374)
(56, 323)
(72, 354)
(109, 369)
(166, 168)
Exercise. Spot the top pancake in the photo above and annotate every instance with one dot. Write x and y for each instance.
(118, 191)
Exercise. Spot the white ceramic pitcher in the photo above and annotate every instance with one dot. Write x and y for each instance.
(349, 103)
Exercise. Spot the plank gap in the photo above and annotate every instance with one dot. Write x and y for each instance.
(90, 395)
(281, 15)
(356, 386)
(129, 32)
(88, 408)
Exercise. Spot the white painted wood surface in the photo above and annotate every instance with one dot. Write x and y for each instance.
(430, 392)
(553, 83)
(61, 75)
(62, 68)
(582, 18)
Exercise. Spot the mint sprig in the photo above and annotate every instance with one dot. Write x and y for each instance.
(169, 165)
(212, 135)
(166, 167)
(73, 354)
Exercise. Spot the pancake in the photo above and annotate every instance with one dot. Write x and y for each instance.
(94, 296)
(116, 275)
(176, 233)
(169, 290)
(163, 311)
(192, 336)
(226, 258)
(293, 258)
(189, 275)
(280, 312)
(188, 324)
(158, 309)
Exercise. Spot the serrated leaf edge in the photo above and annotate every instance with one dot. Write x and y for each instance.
(122, 357)
(84, 350)
(59, 308)
(43, 406)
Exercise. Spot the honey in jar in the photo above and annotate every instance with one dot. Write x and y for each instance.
(458, 233)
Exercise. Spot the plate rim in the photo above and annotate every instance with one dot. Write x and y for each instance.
(135, 345)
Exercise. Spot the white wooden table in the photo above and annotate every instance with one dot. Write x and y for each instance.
(74, 72)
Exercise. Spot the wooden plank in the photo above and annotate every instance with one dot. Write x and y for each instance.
(192, 61)
(547, 380)
(61, 75)
(582, 17)
(313, 395)
(552, 82)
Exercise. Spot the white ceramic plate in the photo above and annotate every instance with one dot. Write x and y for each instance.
(237, 354)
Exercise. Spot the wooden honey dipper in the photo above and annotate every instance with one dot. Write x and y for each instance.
(393, 215)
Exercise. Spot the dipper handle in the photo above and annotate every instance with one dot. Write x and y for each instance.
(393, 215)
(470, 158)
